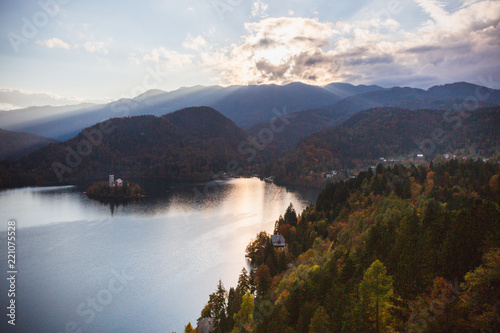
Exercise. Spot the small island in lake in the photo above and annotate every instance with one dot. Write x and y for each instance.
(115, 189)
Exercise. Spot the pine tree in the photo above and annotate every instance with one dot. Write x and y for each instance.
(320, 322)
(376, 291)
(244, 318)
(188, 328)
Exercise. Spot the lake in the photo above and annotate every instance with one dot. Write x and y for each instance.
(142, 266)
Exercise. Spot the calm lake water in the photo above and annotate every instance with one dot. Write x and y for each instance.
(144, 266)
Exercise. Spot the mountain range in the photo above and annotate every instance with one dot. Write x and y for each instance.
(250, 107)
(458, 95)
(194, 143)
(245, 105)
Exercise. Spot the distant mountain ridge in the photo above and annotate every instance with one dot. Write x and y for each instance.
(245, 105)
(249, 106)
(451, 95)
(14, 145)
(49, 121)
(459, 95)
(344, 90)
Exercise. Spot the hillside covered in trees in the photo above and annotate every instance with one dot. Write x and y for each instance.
(200, 144)
(190, 144)
(390, 132)
(459, 95)
(395, 249)
(14, 145)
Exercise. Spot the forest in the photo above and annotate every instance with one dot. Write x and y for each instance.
(200, 144)
(389, 132)
(396, 249)
(190, 144)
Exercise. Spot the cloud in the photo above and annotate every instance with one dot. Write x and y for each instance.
(95, 47)
(423, 49)
(435, 9)
(372, 60)
(8, 107)
(54, 43)
(287, 49)
(458, 45)
(89, 46)
(194, 43)
(259, 9)
(11, 99)
(164, 59)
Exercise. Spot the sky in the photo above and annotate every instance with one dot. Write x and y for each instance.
(58, 52)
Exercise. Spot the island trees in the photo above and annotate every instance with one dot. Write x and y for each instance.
(127, 190)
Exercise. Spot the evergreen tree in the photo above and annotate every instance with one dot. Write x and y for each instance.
(188, 328)
(244, 321)
(290, 216)
(376, 291)
(263, 279)
(216, 308)
(320, 322)
(243, 282)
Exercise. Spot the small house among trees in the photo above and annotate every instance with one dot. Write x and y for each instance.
(278, 241)
(205, 325)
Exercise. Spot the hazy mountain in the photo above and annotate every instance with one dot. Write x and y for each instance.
(187, 144)
(464, 90)
(254, 104)
(448, 96)
(57, 122)
(304, 123)
(344, 90)
(245, 105)
(249, 105)
(28, 116)
(14, 145)
(385, 132)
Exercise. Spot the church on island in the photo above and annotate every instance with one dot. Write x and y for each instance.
(115, 183)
